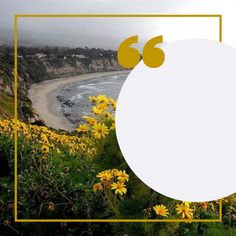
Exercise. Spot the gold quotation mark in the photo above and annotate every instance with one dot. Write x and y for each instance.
(129, 57)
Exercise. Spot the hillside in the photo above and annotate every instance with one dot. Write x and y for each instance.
(39, 64)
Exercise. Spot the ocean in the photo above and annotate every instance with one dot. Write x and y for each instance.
(74, 97)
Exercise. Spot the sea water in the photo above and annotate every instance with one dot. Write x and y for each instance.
(74, 98)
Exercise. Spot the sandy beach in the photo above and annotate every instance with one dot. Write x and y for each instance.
(45, 102)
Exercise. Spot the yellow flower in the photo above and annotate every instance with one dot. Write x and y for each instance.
(96, 111)
(45, 148)
(90, 120)
(92, 152)
(122, 176)
(111, 101)
(114, 105)
(187, 204)
(44, 158)
(161, 210)
(184, 210)
(119, 188)
(92, 99)
(97, 187)
(51, 206)
(107, 184)
(113, 126)
(100, 130)
(107, 114)
(204, 205)
(72, 151)
(102, 106)
(114, 171)
(82, 128)
(102, 99)
(83, 146)
(6, 222)
(74, 208)
(212, 206)
(105, 175)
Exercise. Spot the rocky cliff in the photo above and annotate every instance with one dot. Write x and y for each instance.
(39, 64)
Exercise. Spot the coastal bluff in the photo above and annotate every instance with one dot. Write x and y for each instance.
(39, 64)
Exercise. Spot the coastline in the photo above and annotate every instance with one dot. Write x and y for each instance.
(46, 104)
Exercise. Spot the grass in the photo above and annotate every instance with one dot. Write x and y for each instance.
(6, 106)
(221, 232)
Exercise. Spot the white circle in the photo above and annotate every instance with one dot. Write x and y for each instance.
(176, 124)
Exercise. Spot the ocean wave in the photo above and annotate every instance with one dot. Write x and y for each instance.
(87, 86)
(115, 76)
(78, 96)
(106, 82)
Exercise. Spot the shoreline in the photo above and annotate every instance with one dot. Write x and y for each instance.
(46, 104)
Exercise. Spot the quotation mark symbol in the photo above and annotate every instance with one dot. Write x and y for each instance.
(152, 56)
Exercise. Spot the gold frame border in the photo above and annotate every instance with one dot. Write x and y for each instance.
(16, 115)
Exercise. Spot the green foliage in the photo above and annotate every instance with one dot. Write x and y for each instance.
(110, 155)
(140, 195)
(58, 178)
(131, 208)
(6, 105)
(64, 180)
(220, 231)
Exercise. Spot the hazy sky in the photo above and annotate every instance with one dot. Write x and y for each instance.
(108, 33)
